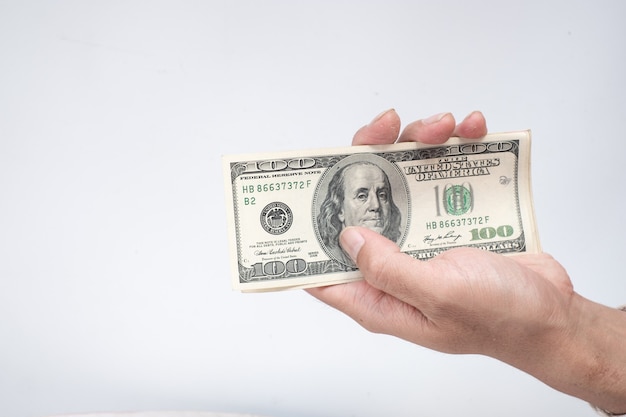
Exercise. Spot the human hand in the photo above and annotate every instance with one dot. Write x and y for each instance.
(521, 309)
(462, 301)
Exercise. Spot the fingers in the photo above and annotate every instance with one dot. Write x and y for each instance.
(391, 297)
(433, 130)
(374, 302)
(383, 265)
(372, 308)
(383, 129)
(474, 126)
(436, 129)
(440, 127)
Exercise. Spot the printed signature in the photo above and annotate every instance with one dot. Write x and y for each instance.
(450, 237)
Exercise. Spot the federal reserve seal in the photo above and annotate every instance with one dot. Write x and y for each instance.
(276, 218)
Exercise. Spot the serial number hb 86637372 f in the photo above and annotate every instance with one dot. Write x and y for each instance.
(276, 186)
(463, 221)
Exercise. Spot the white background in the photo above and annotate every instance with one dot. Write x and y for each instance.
(114, 283)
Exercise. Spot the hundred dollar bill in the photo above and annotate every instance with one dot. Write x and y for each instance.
(286, 209)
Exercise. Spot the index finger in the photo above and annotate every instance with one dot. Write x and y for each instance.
(382, 130)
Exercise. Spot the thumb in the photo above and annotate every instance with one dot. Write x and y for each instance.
(383, 265)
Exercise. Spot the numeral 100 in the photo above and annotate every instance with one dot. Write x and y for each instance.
(487, 233)
(275, 268)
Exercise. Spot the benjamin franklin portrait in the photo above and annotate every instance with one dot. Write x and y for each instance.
(359, 193)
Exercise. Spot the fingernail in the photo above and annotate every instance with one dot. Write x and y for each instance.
(351, 241)
(434, 118)
(380, 116)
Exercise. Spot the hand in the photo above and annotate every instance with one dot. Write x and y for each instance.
(463, 301)
(521, 309)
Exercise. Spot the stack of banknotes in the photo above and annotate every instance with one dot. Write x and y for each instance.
(286, 209)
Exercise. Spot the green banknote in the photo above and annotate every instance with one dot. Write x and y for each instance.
(286, 209)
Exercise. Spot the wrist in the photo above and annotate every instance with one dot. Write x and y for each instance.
(605, 413)
(588, 359)
(602, 411)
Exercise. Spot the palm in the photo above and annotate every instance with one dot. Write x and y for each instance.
(455, 302)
